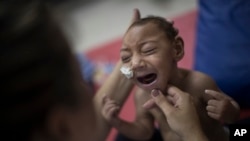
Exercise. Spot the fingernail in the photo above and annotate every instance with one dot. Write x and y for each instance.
(155, 92)
(206, 91)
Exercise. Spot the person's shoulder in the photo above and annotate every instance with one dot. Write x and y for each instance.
(195, 82)
(200, 79)
(199, 82)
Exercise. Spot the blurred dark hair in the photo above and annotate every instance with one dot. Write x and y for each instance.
(36, 68)
(167, 27)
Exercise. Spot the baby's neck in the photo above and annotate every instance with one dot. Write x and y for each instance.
(177, 78)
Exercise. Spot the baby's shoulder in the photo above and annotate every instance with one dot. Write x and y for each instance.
(197, 79)
(198, 82)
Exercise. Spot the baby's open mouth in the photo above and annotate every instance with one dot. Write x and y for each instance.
(147, 79)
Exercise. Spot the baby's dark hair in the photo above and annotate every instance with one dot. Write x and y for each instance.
(168, 28)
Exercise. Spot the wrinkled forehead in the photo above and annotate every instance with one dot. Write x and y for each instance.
(143, 33)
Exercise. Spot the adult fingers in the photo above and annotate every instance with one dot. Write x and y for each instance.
(149, 104)
(162, 102)
(215, 94)
(136, 15)
(169, 20)
(174, 91)
(177, 96)
(171, 100)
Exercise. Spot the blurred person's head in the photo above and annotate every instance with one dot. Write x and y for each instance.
(42, 94)
(151, 48)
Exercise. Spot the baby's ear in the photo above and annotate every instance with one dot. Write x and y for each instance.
(178, 48)
(60, 123)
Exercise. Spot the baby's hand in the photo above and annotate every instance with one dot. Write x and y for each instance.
(110, 111)
(222, 107)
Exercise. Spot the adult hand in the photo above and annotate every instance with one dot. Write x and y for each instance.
(180, 112)
(136, 15)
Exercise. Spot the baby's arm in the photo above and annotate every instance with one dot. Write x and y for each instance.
(222, 107)
(219, 106)
(140, 129)
(117, 87)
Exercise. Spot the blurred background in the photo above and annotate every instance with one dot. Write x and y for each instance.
(89, 23)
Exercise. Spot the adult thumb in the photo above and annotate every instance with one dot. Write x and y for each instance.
(162, 102)
(136, 15)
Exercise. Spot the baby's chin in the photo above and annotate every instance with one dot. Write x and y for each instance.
(162, 88)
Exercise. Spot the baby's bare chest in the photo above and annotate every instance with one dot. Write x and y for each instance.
(160, 117)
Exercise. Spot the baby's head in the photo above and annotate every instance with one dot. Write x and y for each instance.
(151, 49)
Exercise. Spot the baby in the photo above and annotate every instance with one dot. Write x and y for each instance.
(150, 52)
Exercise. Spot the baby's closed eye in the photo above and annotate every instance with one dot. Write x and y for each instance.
(125, 59)
(148, 50)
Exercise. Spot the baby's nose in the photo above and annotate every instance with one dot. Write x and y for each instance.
(137, 64)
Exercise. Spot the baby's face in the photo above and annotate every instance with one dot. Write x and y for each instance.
(149, 53)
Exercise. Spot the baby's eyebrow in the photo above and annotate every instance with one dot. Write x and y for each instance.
(124, 49)
(146, 42)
